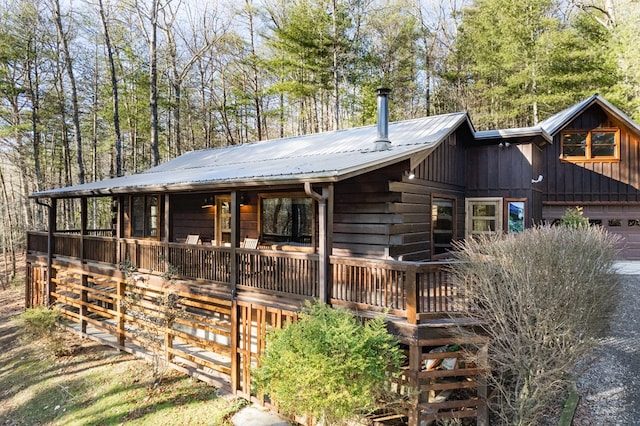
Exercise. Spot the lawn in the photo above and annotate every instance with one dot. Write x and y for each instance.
(94, 384)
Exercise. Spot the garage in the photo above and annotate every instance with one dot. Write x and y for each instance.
(621, 219)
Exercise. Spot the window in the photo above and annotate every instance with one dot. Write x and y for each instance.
(287, 219)
(223, 220)
(601, 144)
(144, 216)
(483, 216)
(515, 214)
(443, 222)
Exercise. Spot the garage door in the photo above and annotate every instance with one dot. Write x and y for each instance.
(617, 219)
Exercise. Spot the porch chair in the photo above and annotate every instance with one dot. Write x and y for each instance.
(249, 243)
(193, 239)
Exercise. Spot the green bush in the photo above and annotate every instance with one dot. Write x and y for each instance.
(574, 218)
(39, 322)
(543, 297)
(328, 364)
(41, 325)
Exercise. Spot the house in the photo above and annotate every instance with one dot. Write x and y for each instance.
(362, 218)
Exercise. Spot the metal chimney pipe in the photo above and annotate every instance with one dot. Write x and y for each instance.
(382, 142)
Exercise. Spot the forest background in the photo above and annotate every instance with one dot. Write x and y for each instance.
(91, 89)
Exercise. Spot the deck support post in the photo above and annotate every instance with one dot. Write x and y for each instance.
(235, 338)
(415, 362)
(84, 281)
(50, 284)
(121, 310)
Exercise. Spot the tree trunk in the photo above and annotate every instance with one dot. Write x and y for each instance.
(114, 90)
(74, 90)
(153, 82)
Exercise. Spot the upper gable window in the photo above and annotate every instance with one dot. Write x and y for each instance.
(600, 144)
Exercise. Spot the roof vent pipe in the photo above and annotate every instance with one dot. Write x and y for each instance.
(382, 142)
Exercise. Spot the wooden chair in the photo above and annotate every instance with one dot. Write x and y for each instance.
(249, 243)
(193, 239)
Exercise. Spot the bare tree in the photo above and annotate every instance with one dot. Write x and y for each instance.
(114, 88)
(62, 35)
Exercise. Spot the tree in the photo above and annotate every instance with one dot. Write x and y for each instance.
(520, 57)
(114, 89)
(75, 111)
(328, 364)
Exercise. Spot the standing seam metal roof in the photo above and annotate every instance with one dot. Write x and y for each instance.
(328, 156)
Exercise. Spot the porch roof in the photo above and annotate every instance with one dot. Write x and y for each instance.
(321, 157)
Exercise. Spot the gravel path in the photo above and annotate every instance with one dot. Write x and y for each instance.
(610, 387)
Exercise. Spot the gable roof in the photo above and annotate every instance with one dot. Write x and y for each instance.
(321, 157)
(558, 121)
(555, 123)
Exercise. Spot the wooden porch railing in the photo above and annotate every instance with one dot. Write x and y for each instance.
(412, 290)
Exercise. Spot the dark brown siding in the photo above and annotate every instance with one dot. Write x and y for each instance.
(507, 172)
(385, 214)
(363, 215)
(188, 217)
(593, 181)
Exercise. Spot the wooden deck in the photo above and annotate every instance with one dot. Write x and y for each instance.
(232, 297)
(416, 292)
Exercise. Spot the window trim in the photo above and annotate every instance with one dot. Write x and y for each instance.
(293, 194)
(219, 231)
(468, 217)
(588, 157)
(505, 213)
(454, 223)
(144, 198)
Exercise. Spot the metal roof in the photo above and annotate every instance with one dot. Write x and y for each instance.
(553, 124)
(329, 156)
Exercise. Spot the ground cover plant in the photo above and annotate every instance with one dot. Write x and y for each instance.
(328, 365)
(543, 298)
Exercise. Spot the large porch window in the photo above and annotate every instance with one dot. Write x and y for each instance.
(144, 216)
(286, 218)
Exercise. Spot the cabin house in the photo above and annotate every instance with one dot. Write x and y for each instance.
(362, 218)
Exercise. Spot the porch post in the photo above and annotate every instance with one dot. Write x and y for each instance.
(53, 213)
(323, 258)
(167, 231)
(235, 241)
(83, 225)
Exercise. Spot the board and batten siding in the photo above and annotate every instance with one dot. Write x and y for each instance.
(507, 172)
(593, 181)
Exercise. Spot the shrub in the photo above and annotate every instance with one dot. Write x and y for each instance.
(542, 297)
(328, 365)
(574, 218)
(41, 325)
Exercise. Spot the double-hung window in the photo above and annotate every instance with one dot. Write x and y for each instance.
(595, 145)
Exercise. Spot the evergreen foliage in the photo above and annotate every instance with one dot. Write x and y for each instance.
(328, 365)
